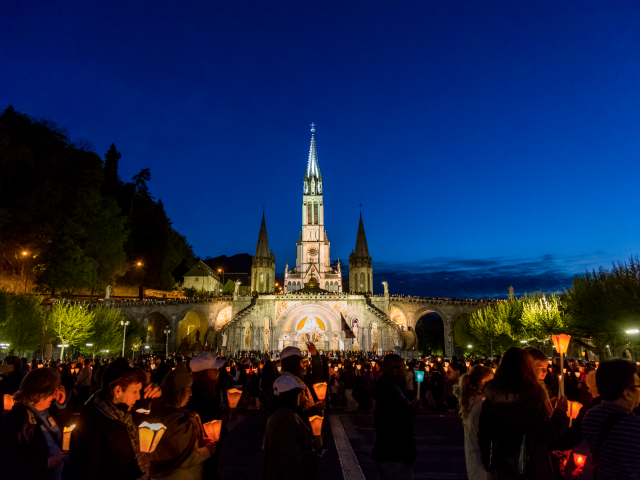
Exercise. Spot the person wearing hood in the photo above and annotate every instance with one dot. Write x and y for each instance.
(394, 450)
(183, 449)
(517, 423)
(289, 444)
(209, 402)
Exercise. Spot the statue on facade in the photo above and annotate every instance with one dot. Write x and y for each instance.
(224, 339)
(386, 288)
(107, 294)
(247, 336)
(354, 328)
(511, 296)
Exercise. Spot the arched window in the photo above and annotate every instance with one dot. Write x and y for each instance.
(363, 284)
(262, 278)
(309, 213)
(267, 287)
(315, 213)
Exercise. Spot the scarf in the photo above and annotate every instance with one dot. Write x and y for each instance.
(112, 412)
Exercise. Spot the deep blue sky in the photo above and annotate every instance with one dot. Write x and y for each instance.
(491, 143)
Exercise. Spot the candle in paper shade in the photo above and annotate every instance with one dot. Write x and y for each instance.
(579, 459)
(150, 434)
(427, 368)
(358, 367)
(228, 369)
(316, 424)
(248, 370)
(8, 401)
(212, 429)
(142, 410)
(321, 390)
(334, 368)
(66, 437)
(578, 374)
(233, 397)
(564, 370)
(419, 376)
(574, 409)
(280, 369)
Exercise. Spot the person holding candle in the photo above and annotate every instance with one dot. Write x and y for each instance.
(31, 433)
(183, 449)
(470, 399)
(105, 444)
(289, 444)
(611, 429)
(517, 424)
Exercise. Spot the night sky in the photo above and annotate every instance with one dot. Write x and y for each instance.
(490, 143)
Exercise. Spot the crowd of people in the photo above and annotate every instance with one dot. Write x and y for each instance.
(517, 414)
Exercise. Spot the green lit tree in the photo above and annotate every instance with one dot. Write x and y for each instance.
(541, 317)
(106, 333)
(72, 324)
(23, 322)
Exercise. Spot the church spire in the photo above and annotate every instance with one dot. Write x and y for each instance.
(313, 169)
(262, 249)
(362, 250)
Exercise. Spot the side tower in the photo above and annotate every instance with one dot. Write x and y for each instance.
(263, 269)
(360, 270)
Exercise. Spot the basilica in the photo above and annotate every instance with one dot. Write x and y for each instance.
(312, 305)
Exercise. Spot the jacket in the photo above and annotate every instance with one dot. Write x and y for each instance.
(393, 419)
(24, 451)
(100, 449)
(288, 453)
(504, 419)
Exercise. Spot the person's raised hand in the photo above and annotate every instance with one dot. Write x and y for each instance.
(312, 349)
(211, 446)
(151, 390)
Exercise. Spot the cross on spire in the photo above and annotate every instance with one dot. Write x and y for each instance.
(263, 205)
(313, 127)
(361, 207)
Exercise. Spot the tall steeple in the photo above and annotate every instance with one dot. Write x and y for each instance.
(263, 268)
(312, 176)
(262, 249)
(360, 264)
(362, 250)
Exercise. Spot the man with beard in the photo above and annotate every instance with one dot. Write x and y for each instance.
(394, 451)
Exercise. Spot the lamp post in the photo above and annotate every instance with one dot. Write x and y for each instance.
(221, 270)
(166, 333)
(141, 286)
(26, 272)
(124, 334)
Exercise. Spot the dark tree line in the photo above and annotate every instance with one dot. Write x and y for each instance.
(69, 221)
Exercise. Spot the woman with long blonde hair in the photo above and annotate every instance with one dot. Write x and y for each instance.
(470, 398)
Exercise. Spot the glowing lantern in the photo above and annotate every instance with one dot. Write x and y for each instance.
(8, 401)
(427, 368)
(573, 410)
(248, 370)
(335, 369)
(316, 424)
(564, 370)
(150, 434)
(228, 369)
(561, 342)
(212, 429)
(66, 437)
(233, 397)
(577, 374)
(358, 366)
(321, 390)
(280, 369)
(579, 459)
(419, 376)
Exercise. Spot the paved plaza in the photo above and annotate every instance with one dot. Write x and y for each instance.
(349, 438)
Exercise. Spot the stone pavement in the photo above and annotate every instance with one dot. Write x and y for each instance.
(349, 438)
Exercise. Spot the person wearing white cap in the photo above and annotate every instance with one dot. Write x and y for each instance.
(289, 444)
(206, 401)
(296, 365)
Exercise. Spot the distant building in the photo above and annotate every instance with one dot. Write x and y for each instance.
(202, 277)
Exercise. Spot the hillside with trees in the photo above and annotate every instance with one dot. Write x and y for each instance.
(68, 222)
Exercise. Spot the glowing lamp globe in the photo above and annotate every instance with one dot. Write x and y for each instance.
(579, 459)
(316, 424)
(66, 437)
(212, 429)
(419, 376)
(561, 342)
(8, 401)
(321, 390)
(233, 397)
(150, 435)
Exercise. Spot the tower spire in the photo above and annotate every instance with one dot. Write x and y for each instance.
(362, 250)
(262, 249)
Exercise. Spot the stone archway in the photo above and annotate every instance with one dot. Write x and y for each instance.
(430, 333)
(156, 326)
(223, 317)
(317, 323)
(191, 332)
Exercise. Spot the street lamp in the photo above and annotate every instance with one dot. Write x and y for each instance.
(26, 273)
(124, 334)
(632, 331)
(166, 350)
(221, 270)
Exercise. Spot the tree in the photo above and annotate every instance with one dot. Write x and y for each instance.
(107, 331)
(541, 317)
(72, 324)
(229, 287)
(189, 292)
(23, 322)
(496, 327)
